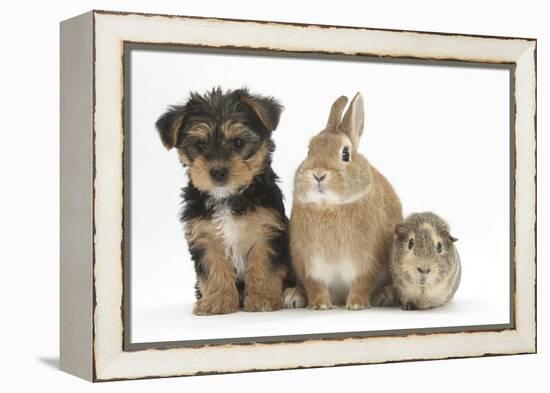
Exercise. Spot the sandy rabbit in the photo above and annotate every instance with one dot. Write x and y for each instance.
(343, 217)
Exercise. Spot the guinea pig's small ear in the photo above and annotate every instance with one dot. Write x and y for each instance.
(447, 235)
(267, 109)
(169, 125)
(401, 231)
(353, 122)
(336, 111)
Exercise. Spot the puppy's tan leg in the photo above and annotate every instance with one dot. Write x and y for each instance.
(217, 284)
(360, 292)
(263, 284)
(318, 295)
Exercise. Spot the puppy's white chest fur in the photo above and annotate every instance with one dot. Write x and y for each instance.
(336, 275)
(230, 230)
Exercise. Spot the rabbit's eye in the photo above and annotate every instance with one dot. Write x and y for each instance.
(439, 247)
(345, 154)
(411, 243)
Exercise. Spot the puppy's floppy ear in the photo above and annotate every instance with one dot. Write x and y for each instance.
(447, 235)
(401, 231)
(354, 119)
(267, 109)
(169, 125)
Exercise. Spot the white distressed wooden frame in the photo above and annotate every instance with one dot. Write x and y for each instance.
(92, 154)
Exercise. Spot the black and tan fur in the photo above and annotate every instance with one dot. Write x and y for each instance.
(233, 212)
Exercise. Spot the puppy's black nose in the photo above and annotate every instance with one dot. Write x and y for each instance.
(218, 174)
(425, 271)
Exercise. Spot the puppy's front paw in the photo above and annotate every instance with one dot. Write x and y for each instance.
(254, 303)
(217, 304)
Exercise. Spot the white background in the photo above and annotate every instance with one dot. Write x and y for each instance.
(29, 199)
(440, 134)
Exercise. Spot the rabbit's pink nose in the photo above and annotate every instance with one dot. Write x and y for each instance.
(320, 178)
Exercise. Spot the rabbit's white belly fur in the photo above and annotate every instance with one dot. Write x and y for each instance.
(230, 230)
(336, 275)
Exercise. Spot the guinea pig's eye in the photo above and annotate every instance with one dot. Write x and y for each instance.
(200, 145)
(238, 143)
(411, 243)
(346, 154)
(439, 247)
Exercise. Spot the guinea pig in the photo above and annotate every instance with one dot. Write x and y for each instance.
(424, 264)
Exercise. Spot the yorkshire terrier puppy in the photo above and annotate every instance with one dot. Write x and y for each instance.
(233, 212)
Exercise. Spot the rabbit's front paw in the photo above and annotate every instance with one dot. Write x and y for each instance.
(355, 303)
(320, 303)
(354, 306)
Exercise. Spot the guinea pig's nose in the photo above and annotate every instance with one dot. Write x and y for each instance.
(320, 178)
(423, 271)
(219, 174)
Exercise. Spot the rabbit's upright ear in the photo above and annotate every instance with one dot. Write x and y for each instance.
(354, 119)
(169, 125)
(336, 112)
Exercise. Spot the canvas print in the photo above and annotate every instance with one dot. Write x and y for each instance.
(277, 196)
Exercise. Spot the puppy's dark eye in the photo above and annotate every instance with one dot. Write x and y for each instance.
(439, 247)
(238, 143)
(200, 145)
(345, 154)
(411, 243)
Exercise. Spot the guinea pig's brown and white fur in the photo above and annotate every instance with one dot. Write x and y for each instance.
(343, 217)
(425, 265)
